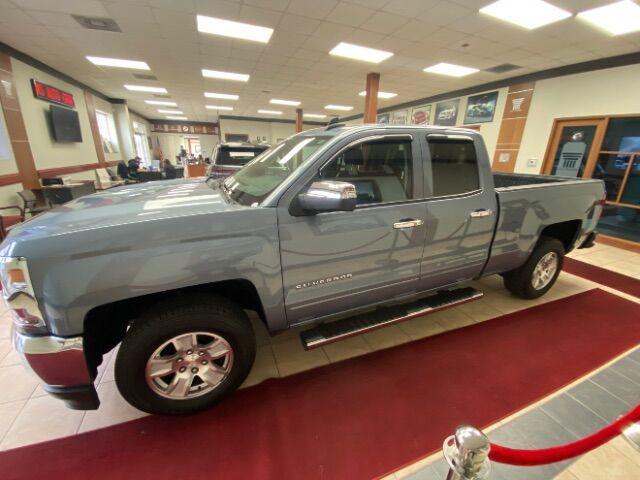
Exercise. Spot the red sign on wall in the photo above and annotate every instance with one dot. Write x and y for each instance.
(52, 94)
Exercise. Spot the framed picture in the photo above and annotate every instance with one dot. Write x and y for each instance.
(399, 117)
(447, 113)
(421, 115)
(383, 118)
(481, 108)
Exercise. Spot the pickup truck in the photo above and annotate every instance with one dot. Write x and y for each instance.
(341, 229)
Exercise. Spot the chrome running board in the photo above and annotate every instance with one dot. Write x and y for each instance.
(382, 317)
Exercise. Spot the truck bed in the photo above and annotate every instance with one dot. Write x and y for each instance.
(507, 180)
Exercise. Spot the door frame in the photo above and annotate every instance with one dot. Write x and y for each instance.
(600, 122)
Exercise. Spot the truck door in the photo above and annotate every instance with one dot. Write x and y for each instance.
(460, 210)
(336, 261)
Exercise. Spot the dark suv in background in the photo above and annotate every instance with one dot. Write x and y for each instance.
(229, 157)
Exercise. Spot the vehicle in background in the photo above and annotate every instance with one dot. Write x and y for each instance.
(338, 229)
(229, 157)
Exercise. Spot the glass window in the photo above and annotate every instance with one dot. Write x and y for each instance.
(611, 168)
(454, 166)
(107, 130)
(573, 151)
(381, 170)
(237, 155)
(621, 222)
(623, 135)
(631, 194)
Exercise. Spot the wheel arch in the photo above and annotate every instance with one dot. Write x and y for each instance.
(566, 232)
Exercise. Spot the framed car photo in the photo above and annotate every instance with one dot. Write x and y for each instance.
(447, 113)
(481, 108)
(421, 115)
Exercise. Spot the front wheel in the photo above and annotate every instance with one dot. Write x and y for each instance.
(539, 273)
(185, 355)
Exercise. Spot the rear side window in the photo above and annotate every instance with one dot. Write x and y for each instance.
(237, 156)
(454, 166)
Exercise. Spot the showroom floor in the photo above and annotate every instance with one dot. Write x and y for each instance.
(28, 415)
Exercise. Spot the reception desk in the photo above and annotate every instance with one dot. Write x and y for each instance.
(195, 170)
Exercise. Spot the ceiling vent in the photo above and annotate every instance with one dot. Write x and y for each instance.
(161, 95)
(145, 76)
(97, 23)
(503, 68)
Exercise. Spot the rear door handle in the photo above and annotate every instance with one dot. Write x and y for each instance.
(408, 223)
(484, 212)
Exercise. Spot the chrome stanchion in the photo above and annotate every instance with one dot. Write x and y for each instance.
(632, 435)
(467, 453)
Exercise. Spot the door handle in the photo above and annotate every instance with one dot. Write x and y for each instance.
(484, 212)
(408, 223)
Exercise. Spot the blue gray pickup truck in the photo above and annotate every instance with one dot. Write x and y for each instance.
(341, 229)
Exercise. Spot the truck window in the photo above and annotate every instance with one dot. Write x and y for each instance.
(454, 166)
(381, 171)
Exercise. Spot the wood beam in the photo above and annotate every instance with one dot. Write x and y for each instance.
(371, 98)
(298, 120)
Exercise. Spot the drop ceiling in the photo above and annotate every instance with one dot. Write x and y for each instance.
(295, 64)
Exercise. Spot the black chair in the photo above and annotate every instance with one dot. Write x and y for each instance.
(30, 203)
(7, 222)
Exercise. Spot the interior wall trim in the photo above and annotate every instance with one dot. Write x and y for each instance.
(582, 67)
(58, 171)
(10, 179)
(267, 120)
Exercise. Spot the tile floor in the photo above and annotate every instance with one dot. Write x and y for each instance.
(28, 415)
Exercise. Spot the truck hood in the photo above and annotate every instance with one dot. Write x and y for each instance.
(127, 205)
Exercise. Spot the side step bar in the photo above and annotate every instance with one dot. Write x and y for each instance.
(382, 317)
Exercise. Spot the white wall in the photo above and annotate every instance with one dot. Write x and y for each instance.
(269, 132)
(170, 143)
(601, 92)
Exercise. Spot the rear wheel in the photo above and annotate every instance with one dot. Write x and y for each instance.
(185, 355)
(539, 273)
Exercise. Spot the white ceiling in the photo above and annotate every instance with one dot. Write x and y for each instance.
(295, 64)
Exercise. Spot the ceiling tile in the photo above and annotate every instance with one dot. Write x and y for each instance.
(350, 14)
(384, 22)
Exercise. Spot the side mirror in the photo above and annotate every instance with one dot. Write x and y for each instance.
(329, 196)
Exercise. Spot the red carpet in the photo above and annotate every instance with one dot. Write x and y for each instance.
(360, 418)
(603, 276)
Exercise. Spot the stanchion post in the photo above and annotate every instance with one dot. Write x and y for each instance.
(467, 453)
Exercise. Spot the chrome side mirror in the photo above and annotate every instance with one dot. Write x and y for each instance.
(328, 196)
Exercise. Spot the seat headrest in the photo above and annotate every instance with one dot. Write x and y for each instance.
(353, 156)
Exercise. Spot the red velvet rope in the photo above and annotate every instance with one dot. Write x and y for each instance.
(559, 453)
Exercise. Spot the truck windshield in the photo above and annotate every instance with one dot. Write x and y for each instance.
(258, 178)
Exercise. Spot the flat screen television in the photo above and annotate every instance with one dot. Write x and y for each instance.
(65, 124)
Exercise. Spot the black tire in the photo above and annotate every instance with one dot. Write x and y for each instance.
(171, 318)
(519, 281)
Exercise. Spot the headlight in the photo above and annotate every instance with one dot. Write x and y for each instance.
(17, 292)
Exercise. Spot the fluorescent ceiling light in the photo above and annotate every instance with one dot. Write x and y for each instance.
(270, 112)
(237, 77)
(276, 101)
(357, 52)
(380, 94)
(144, 88)
(314, 115)
(617, 18)
(344, 108)
(222, 96)
(115, 62)
(218, 107)
(227, 28)
(161, 102)
(529, 14)
(450, 69)
(171, 117)
(175, 112)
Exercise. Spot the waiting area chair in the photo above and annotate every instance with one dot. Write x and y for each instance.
(30, 203)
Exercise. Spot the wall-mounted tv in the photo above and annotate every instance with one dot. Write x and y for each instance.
(65, 124)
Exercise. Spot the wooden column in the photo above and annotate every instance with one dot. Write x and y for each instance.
(95, 131)
(298, 120)
(371, 98)
(15, 126)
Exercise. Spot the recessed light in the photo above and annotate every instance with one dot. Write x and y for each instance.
(171, 117)
(270, 112)
(344, 108)
(218, 107)
(617, 18)
(357, 52)
(116, 62)
(227, 28)
(174, 112)
(161, 102)
(530, 14)
(450, 69)
(237, 77)
(144, 88)
(276, 101)
(380, 94)
(222, 96)
(314, 115)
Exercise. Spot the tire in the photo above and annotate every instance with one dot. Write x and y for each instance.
(521, 281)
(182, 379)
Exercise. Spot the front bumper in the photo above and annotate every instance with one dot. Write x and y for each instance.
(61, 365)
